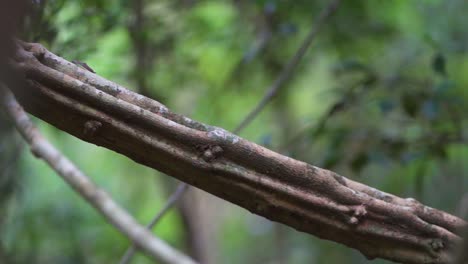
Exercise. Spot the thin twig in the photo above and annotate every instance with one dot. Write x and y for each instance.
(339, 106)
(288, 70)
(181, 188)
(97, 197)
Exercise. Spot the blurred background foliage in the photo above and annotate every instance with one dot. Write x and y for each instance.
(380, 97)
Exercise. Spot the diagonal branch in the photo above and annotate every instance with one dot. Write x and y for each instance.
(305, 197)
(288, 70)
(97, 197)
(181, 188)
(271, 92)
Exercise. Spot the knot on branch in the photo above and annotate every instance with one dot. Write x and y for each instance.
(29, 51)
(436, 244)
(210, 153)
(358, 212)
(38, 50)
(91, 127)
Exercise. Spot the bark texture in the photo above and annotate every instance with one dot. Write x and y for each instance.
(305, 197)
(114, 214)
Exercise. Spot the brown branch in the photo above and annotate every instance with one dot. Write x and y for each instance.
(282, 78)
(181, 188)
(97, 197)
(462, 256)
(288, 70)
(305, 197)
(270, 93)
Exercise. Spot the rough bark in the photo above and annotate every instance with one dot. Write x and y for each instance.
(305, 197)
(98, 198)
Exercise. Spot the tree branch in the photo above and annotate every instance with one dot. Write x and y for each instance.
(305, 197)
(97, 197)
(181, 188)
(288, 70)
(268, 96)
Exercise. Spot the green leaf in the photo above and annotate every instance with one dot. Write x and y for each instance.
(359, 162)
(438, 64)
(411, 104)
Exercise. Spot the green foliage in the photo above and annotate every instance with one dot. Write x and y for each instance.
(380, 96)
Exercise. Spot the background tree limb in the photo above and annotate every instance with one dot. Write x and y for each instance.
(170, 202)
(289, 68)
